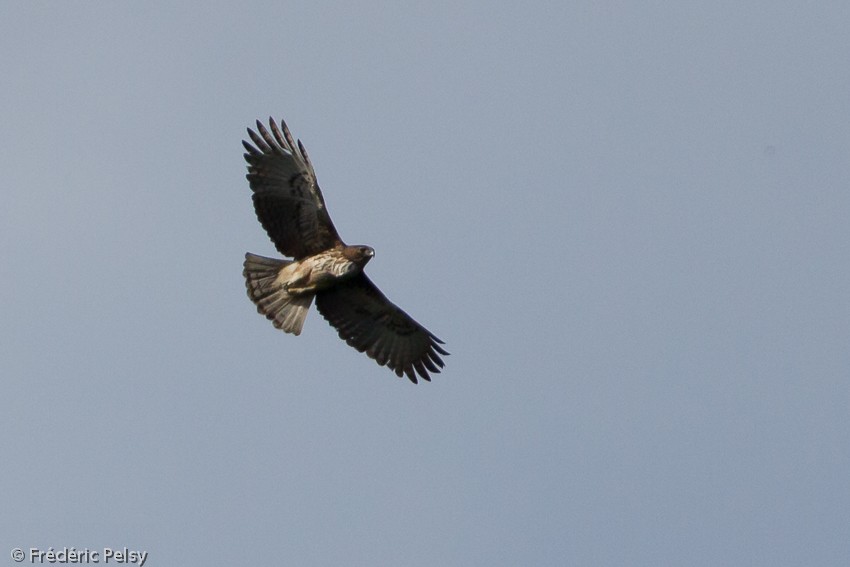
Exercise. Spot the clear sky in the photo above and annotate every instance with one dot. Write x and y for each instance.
(627, 220)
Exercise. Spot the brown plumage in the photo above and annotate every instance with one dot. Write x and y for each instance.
(290, 206)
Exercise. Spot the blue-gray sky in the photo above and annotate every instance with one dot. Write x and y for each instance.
(628, 221)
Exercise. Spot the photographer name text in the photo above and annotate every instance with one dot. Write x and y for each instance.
(107, 555)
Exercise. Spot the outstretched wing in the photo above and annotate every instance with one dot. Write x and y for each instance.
(371, 323)
(287, 198)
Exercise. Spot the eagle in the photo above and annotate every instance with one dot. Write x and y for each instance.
(291, 208)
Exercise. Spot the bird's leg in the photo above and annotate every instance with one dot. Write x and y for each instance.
(296, 290)
(298, 280)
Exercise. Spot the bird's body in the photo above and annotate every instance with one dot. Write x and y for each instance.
(290, 206)
(320, 271)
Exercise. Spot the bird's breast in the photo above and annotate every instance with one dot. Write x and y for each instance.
(318, 272)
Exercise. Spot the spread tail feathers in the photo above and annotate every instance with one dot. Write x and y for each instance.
(285, 311)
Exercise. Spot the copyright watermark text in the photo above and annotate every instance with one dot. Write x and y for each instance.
(107, 555)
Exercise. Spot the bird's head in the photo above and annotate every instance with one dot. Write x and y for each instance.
(360, 255)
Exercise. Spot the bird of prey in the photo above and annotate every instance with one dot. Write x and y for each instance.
(290, 206)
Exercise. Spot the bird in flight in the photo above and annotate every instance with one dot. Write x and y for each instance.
(290, 206)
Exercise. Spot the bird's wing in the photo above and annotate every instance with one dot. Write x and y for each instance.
(287, 198)
(371, 323)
